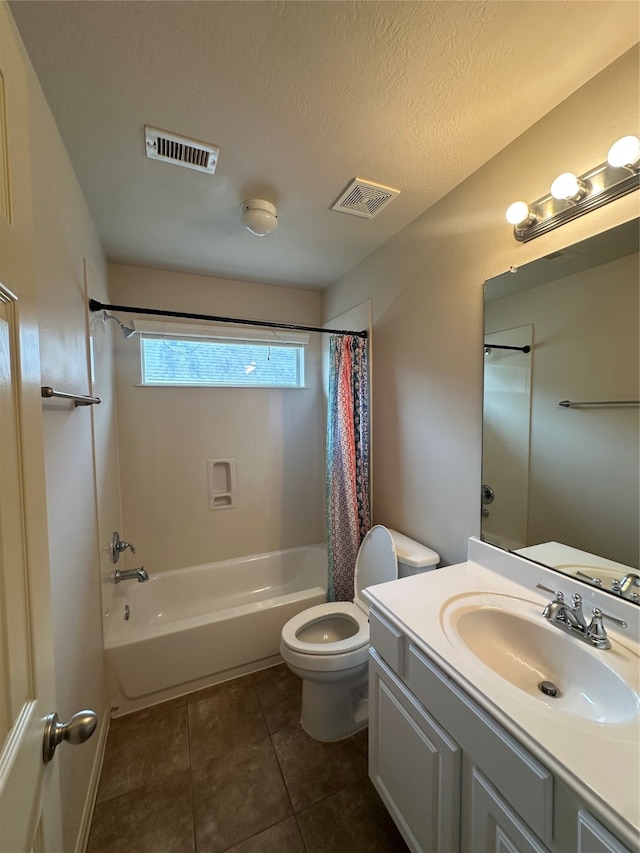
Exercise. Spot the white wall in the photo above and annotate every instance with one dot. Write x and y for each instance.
(426, 286)
(63, 238)
(584, 462)
(166, 435)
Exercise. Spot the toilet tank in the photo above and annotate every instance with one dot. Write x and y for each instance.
(413, 557)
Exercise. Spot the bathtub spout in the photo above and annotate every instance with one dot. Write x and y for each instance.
(139, 575)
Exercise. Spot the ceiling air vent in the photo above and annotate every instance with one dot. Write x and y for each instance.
(364, 198)
(180, 150)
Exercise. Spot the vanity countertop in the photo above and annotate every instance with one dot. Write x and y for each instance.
(601, 760)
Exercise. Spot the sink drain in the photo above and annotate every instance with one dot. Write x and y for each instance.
(548, 688)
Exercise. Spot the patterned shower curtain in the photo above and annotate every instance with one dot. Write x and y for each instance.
(347, 503)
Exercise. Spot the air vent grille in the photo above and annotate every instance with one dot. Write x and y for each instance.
(180, 150)
(364, 198)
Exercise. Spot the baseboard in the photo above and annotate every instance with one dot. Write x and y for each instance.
(92, 788)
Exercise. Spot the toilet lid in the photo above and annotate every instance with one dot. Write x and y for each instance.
(376, 562)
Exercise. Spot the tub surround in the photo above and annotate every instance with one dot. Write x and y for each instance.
(188, 629)
(598, 760)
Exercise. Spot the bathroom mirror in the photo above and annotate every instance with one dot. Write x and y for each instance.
(561, 455)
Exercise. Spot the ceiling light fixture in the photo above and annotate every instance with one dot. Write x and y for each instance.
(259, 217)
(572, 195)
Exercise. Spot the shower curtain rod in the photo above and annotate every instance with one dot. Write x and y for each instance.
(94, 305)
(526, 348)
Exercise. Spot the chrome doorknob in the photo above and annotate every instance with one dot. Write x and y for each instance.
(487, 494)
(79, 728)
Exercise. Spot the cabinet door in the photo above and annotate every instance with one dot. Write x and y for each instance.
(494, 826)
(594, 838)
(414, 765)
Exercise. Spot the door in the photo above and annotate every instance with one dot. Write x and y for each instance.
(29, 788)
(494, 826)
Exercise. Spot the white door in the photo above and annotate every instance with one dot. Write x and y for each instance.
(29, 788)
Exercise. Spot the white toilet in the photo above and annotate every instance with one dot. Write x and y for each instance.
(328, 645)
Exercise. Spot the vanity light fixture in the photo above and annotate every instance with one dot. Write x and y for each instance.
(519, 214)
(625, 153)
(572, 195)
(568, 187)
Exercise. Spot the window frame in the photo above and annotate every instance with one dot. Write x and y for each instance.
(233, 335)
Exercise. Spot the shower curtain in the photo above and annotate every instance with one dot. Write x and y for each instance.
(347, 501)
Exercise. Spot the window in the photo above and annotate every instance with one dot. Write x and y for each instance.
(233, 358)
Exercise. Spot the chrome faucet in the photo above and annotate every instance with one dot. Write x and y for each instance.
(140, 575)
(570, 618)
(628, 582)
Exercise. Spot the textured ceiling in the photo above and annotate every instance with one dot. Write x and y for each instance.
(301, 97)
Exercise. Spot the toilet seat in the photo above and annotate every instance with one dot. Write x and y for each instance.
(345, 609)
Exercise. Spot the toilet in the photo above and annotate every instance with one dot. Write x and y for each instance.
(328, 645)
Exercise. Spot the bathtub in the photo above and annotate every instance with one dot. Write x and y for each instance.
(190, 628)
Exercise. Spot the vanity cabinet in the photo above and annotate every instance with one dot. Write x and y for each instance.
(452, 778)
(414, 764)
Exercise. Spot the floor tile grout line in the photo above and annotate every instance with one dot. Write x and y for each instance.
(282, 776)
(143, 787)
(304, 843)
(237, 747)
(264, 716)
(193, 801)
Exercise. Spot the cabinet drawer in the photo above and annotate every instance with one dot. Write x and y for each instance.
(387, 641)
(524, 783)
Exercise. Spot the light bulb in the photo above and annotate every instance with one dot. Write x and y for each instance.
(518, 213)
(624, 152)
(567, 187)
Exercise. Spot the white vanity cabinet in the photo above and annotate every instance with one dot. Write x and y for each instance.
(413, 763)
(452, 778)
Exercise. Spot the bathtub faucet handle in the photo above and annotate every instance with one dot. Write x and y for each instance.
(118, 545)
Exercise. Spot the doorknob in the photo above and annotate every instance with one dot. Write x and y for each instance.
(487, 494)
(79, 728)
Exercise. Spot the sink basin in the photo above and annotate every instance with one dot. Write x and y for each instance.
(510, 637)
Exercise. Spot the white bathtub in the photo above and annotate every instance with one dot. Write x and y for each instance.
(190, 628)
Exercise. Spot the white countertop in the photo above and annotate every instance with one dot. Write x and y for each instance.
(599, 759)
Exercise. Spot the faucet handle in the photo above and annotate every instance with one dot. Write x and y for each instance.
(559, 595)
(118, 545)
(596, 630)
(620, 622)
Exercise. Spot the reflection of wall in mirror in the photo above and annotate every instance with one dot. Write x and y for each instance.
(584, 461)
(505, 437)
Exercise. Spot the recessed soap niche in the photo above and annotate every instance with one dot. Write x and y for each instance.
(221, 477)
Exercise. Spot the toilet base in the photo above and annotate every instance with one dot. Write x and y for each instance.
(333, 710)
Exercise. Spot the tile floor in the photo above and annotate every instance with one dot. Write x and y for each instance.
(230, 769)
